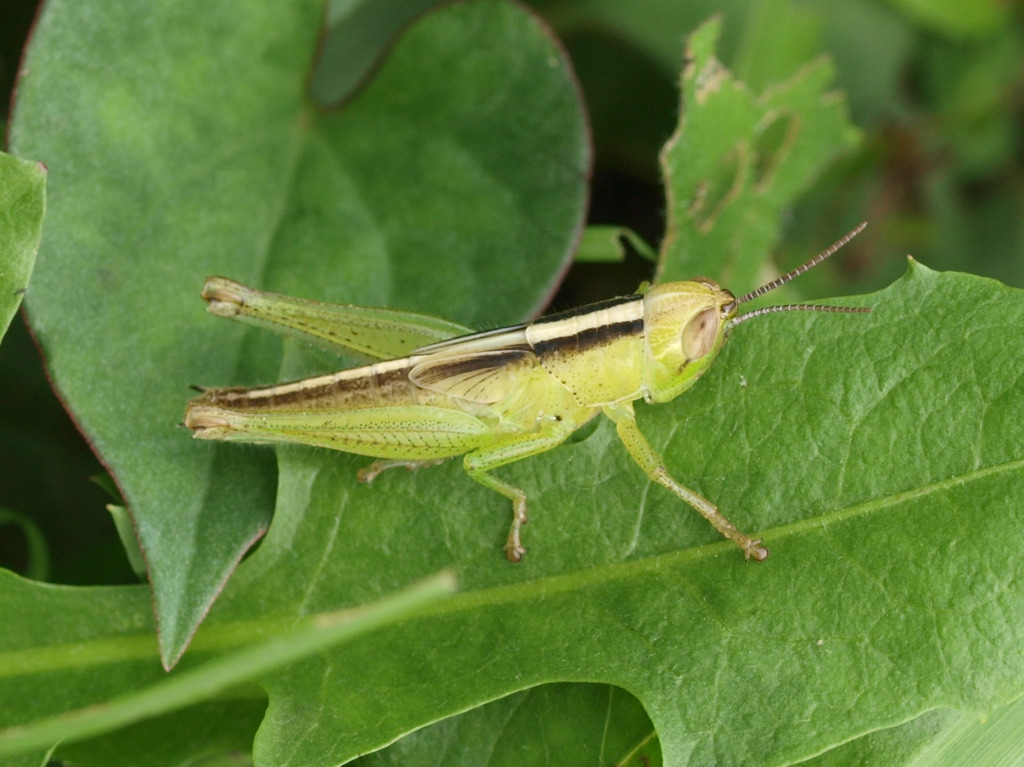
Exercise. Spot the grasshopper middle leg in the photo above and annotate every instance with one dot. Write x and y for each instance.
(480, 462)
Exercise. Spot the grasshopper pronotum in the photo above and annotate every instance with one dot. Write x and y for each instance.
(494, 397)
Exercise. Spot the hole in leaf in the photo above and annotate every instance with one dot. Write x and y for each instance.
(772, 146)
(721, 187)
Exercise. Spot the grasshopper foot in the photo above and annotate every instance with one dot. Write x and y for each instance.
(752, 549)
(514, 548)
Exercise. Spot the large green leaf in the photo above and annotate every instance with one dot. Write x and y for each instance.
(131, 650)
(856, 476)
(193, 150)
(879, 456)
(22, 203)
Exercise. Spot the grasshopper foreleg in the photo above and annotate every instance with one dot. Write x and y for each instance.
(653, 466)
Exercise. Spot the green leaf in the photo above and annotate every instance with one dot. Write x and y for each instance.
(294, 642)
(59, 656)
(962, 18)
(216, 733)
(992, 740)
(738, 160)
(567, 723)
(778, 38)
(22, 204)
(623, 585)
(942, 738)
(357, 36)
(607, 244)
(126, 533)
(182, 163)
(885, 490)
(37, 554)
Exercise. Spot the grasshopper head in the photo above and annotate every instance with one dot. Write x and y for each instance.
(686, 324)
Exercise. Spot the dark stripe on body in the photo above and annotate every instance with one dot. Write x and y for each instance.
(589, 338)
(581, 339)
(367, 384)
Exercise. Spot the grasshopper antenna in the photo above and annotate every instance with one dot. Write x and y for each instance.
(790, 276)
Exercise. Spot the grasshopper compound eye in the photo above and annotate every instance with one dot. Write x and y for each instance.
(700, 333)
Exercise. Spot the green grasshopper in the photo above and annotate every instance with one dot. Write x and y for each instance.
(495, 397)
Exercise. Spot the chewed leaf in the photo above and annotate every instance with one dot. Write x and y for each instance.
(757, 153)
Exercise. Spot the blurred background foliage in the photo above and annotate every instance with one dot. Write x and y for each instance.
(936, 86)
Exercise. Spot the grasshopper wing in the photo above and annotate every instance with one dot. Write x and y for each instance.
(481, 376)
